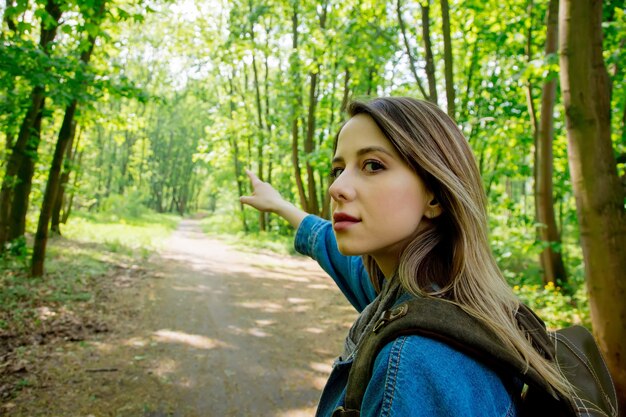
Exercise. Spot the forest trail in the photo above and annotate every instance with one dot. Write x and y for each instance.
(219, 332)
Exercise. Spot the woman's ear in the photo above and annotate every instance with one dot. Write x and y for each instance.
(434, 209)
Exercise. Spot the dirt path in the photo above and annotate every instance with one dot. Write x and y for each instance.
(213, 331)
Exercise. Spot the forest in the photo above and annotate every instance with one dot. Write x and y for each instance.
(134, 106)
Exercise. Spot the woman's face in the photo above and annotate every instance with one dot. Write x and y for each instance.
(377, 200)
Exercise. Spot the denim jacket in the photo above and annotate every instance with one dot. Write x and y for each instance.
(413, 376)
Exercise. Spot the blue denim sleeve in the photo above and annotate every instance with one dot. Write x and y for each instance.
(416, 376)
(316, 239)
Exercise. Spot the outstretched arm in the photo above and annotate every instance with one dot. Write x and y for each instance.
(315, 238)
(265, 198)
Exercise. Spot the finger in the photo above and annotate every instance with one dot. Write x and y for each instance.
(253, 178)
(245, 199)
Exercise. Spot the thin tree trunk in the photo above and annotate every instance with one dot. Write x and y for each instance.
(68, 128)
(237, 165)
(407, 45)
(599, 194)
(447, 59)
(295, 116)
(70, 201)
(430, 62)
(468, 86)
(552, 261)
(55, 226)
(309, 146)
(268, 120)
(325, 198)
(259, 111)
(125, 148)
(111, 164)
(309, 140)
(346, 91)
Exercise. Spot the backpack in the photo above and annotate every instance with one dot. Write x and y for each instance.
(573, 348)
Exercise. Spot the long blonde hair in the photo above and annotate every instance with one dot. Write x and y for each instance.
(450, 257)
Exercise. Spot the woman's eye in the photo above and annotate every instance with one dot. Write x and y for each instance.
(373, 166)
(335, 172)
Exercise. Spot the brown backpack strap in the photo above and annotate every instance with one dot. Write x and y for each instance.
(444, 321)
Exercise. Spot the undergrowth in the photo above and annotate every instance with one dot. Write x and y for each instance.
(227, 227)
(92, 246)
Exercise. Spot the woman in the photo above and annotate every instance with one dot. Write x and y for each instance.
(407, 196)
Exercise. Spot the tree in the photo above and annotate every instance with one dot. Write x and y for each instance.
(296, 105)
(543, 132)
(407, 45)
(93, 18)
(447, 57)
(428, 50)
(68, 162)
(20, 166)
(599, 194)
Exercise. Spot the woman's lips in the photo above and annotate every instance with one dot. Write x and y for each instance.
(342, 221)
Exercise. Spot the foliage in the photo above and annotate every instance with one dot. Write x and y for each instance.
(556, 308)
(180, 97)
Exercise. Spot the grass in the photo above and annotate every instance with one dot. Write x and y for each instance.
(227, 226)
(92, 248)
(145, 232)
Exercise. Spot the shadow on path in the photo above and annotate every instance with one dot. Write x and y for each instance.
(220, 332)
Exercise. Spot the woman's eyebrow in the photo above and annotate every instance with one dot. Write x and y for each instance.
(370, 149)
(363, 151)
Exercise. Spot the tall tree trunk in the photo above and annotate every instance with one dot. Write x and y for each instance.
(447, 58)
(430, 62)
(268, 120)
(50, 194)
(24, 181)
(14, 163)
(407, 45)
(18, 153)
(235, 153)
(309, 142)
(543, 132)
(309, 145)
(530, 103)
(325, 198)
(111, 164)
(599, 194)
(259, 111)
(464, 111)
(55, 226)
(551, 259)
(345, 99)
(295, 110)
(52, 186)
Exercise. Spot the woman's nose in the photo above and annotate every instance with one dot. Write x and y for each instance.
(342, 188)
